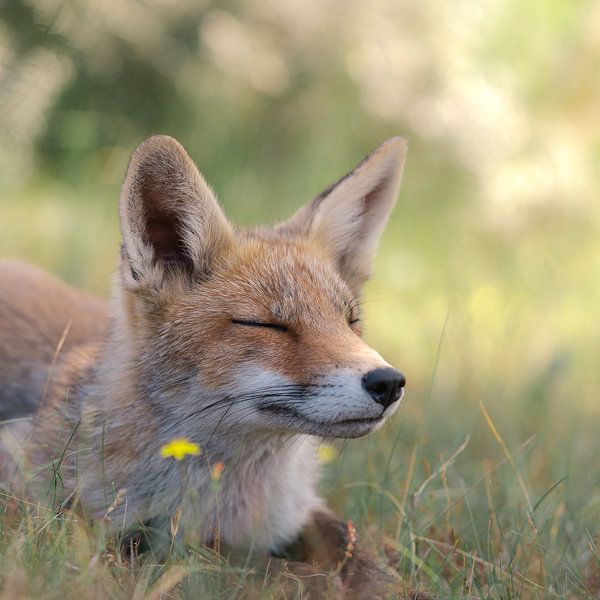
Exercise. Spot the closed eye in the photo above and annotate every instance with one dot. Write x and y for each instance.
(245, 323)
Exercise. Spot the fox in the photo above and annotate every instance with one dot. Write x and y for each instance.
(247, 343)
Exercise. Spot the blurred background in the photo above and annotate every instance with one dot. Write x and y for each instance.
(487, 284)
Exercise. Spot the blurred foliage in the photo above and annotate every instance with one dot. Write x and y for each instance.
(488, 281)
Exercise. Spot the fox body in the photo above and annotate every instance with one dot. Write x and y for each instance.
(245, 342)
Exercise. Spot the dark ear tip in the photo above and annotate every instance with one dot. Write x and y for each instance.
(390, 154)
(159, 141)
(397, 144)
(157, 146)
(154, 167)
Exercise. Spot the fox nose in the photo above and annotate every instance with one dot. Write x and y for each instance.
(384, 385)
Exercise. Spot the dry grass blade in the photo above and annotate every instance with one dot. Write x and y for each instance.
(57, 351)
(512, 462)
(167, 581)
(470, 556)
(440, 470)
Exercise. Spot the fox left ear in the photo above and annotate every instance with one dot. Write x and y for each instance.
(171, 223)
(348, 218)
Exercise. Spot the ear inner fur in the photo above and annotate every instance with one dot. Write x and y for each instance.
(170, 219)
(349, 216)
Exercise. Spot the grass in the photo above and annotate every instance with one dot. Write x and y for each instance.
(484, 485)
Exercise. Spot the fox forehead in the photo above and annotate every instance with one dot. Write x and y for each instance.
(291, 280)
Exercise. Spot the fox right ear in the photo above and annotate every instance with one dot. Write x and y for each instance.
(171, 223)
(348, 218)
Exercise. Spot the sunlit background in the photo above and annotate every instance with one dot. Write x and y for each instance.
(487, 284)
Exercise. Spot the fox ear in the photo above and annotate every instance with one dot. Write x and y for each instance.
(348, 218)
(170, 221)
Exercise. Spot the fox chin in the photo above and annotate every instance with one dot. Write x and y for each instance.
(246, 342)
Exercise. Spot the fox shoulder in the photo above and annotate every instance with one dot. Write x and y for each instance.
(40, 316)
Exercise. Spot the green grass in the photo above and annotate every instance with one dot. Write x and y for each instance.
(485, 483)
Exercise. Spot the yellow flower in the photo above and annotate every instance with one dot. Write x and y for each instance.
(326, 453)
(179, 448)
(216, 471)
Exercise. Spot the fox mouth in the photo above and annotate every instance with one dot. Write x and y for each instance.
(342, 428)
(351, 422)
(351, 428)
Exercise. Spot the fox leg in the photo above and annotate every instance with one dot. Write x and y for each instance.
(331, 545)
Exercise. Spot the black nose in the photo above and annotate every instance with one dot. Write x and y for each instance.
(384, 385)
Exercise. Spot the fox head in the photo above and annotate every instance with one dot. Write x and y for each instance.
(254, 329)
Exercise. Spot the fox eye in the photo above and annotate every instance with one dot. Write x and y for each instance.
(246, 323)
(354, 322)
(351, 308)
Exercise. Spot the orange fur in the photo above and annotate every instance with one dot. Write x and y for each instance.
(36, 310)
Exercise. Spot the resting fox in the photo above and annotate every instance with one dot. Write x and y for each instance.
(245, 342)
